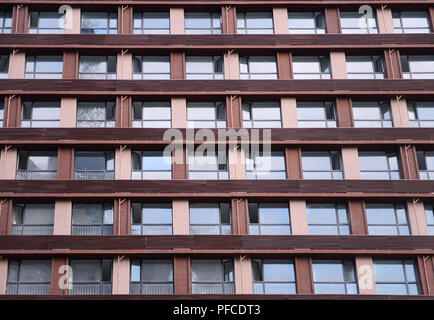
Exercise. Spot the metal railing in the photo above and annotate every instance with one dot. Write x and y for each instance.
(90, 288)
(151, 288)
(94, 175)
(92, 230)
(32, 230)
(28, 289)
(36, 175)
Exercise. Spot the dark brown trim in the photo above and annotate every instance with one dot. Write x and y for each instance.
(303, 275)
(180, 170)
(125, 19)
(177, 65)
(56, 263)
(6, 212)
(70, 64)
(122, 217)
(229, 19)
(240, 216)
(181, 279)
(293, 163)
(20, 18)
(65, 163)
(392, 63)
(284, 69)
(431, 17)
(408, 162)
(344, 112)
(12, 112)
(357, 217)
(124, 106)
(332, 17)
(234, 112)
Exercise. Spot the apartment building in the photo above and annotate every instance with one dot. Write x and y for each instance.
(346, 209)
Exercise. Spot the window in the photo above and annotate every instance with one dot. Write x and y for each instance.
(210, 218)
(151, 218)
(2, 113)
(96, 114)
(156, 114)
(425, 162)
(37, 165)
(311, 67)
(151, 277)
(206, 115)
(91, 277)
(421, 113)
(322, 165)
(46, 22)
(29, 277)
(396, 277)
(94, 165)
(387, 219)
(203, 23)
(306, 22)
(5, 22)
(271, 166)
(258, 67)
(151, 23)
(33, 219)
(204, 67)
(365, 67)
(355, 22)
(207, 166)
(269, 219)
(41, 114)
(327, 218)
(152, 165)
(4, 66)
(97, 67)
(212, 276)
(262, 115)
(255, 23)
(418, 67)
(379, 165)
(94, 219)
(429, 212)
(372, 114)
(151, 67)
(44, 67)
(316, 114)
(273, 276)
(411, 22)
(99, 22)
(334, 277)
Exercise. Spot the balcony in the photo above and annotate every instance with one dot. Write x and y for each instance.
(151, 288)
(28, 289)
(32, 230)
(94, 175)
(92, 230)
(36, 175)
(91, 288)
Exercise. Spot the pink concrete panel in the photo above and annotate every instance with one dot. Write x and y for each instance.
(124, 66)
(17, 65)
(9, 164)
(399, 113)
(231, 66)
(280, 20)
(3, 275)
(299, 224)
(417, 218)
(68, 112)
(365, 275)
(121, 275)
(289, 112)
(181, 217)
(243, 275)
(73, 21)
(237, 167)
(350, 161)
(338, 65)
(384, 20)
(62, 217)
(179, 113)
(123, 164)
(177, 21)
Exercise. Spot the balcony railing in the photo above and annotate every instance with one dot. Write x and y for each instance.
(137, 229)
(92, 230)
(90, 288)
(274, 288)
(32, 230)
(36, 175)
(28, 289)
(210, 229)
(94, 175)
(151, 288)
(213, 288)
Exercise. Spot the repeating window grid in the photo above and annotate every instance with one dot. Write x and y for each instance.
(142, 73)
(273, 119)
(348, 283)
(207, 167)
(31, 66)
(246, 72)
(334, 163)
(150, 286)
(4, 66)
(399, 226)
(103, 227)
(340, 225)
(20, 287)
(429, 213)
(5, 22)
(400, 26)
(160, 224)
(23, 173)
(390, 172)
(201, 121)
(19, 227)
(152, 114)
(411, 286)
(35, 25)
(379, 117)
(425, 161)
(317, 18)
(106, 173)
(244, 19)
(421, 114)
(265, 286)
(97, 286)
(410, 73)
(107, 111)
(208, 228)
(163, 172)
(192, 62)
(327, 119)
(86, 72)
(255, 166)
(376, 67)
(259, 227)
(31, 119)
(323, 66)
(214, 23)
(225, 286)
(355, 22)
(143, 27)
(110, 27)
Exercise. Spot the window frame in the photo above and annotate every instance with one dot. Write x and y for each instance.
(429, 215)
(41, 30)
(32, 229)
(415, 119)
(5, 21)
(208, 30)
(95, 174)
(389, 171)
(259, 225)
(33, 123)
(248, 107)
(224, 228)
(382, 122)
(4, 62)
(140, 16)
(425, 173)
(406, 69)
(256, 174)
(104, 287)
(102, 228)
(31, 62)
(367, 23)
(107, 75)
(335, 174)
(142, 75)
(224, 284)
(321, 61)
(340, 225)
(143, 123)
(374, 59)
(328, 123)
(108, 29)
(249, 75)
(161, 174)
(143, 226)
(45, 284)
(401, 29)
(106, 123)
(397, 225)
(315, 16)
(142, 283)
(245, 29)
(403, 263)
(222, 171)
(262, 283)
(215, 123)
(217, 62)
(345, 281)
(29, 174)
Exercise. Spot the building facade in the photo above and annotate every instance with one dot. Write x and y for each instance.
(90, 206)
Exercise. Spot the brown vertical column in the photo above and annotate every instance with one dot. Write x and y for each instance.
(179, 165)
(426, 274)
(409, 167)
(234, 112)
(240, 216)
(123, 111)
(431, 18)
(70, 65)
(125, 20)
(357, 217)
(182, 275)
(65, 163)
(344, 112)
(333, 23)
(229, 19)
(20, 18)
(284, 65)
(12, 112)
(121, 217)
(59, 276)
(6, 212)
(392, 64)
(303, 275)
(177, 65)
(293, 163)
